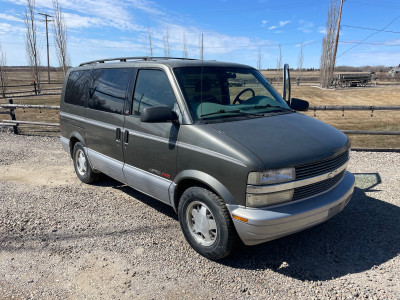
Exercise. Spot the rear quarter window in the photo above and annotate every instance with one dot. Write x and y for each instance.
(77, 90)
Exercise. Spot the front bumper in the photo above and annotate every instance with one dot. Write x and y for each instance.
(274, 222)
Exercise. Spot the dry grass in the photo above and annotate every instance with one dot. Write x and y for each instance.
(23, 76)
(388, 94)
(374, 95)
(358, 120)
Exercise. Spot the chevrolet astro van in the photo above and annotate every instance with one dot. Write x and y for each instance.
(214, 140)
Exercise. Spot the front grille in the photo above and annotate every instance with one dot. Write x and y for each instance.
(317, 188)
(322, 167)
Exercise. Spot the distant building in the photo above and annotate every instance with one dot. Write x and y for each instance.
(394, 71)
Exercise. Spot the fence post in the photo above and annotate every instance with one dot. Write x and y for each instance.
(12, 114)
(35, 87)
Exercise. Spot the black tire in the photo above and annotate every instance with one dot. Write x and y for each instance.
(81, 164)
(211, 243)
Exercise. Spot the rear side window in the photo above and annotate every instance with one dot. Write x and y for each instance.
(109, 90)
(152, 89)
(77, 89)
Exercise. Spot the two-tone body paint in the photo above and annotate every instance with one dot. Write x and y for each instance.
(156, 158)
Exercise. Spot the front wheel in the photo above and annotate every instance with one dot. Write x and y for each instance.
(206, 223)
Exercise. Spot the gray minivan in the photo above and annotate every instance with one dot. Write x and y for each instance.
(213, 140)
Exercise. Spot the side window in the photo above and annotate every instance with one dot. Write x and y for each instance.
(109, 90)
(152, 89)
(77, 89)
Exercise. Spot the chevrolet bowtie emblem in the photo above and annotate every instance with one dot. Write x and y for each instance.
(333, 174)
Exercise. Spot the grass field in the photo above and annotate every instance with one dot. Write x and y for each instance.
(380, 95)
(387, 93)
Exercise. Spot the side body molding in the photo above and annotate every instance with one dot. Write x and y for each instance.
(148, 183)
(106, 165)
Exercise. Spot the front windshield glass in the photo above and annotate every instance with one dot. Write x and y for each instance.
(223, 93)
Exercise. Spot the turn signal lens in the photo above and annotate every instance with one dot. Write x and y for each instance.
(240, 218)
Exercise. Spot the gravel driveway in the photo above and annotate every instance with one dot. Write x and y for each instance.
(60, 238)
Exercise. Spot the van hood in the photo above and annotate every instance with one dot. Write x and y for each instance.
(286, 140)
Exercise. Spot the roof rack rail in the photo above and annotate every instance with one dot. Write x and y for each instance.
(124, 59)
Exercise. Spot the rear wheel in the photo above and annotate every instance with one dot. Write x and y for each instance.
(206, 223)
(81, 164)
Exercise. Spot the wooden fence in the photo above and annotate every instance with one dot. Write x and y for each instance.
(372, 109)
(29, 90)
(10, 110)
(11, 107)
(359, 108)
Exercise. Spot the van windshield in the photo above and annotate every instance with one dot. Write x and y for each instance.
(223, 93)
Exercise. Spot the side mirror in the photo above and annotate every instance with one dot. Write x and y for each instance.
(158, 114)
(299, 104)
(286, 84)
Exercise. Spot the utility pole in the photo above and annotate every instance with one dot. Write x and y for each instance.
(202, 48)
(47, 37)
(150, 46)
(336, 41)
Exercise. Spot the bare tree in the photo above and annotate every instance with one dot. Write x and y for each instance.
(259, 60)
(60, 37)
(166, 44)
(328, 44)
(31, 42)
(185, 51)
(3, 72)
(279, 66)
(300, 61)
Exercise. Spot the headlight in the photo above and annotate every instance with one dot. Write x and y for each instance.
(258, 200)
(271, 176)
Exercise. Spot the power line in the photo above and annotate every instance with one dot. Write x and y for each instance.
(367, 28)
(377, 4)
(238, 46)
(370, 43)
(390, 23)
(221, 47)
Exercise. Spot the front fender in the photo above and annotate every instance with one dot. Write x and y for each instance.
(207, 180)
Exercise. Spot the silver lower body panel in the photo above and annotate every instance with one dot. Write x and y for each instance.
(271, 223)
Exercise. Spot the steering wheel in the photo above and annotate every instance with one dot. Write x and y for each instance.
(241, 93)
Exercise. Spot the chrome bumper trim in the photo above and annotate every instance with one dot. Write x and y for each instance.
(264, 189)
(280, 220)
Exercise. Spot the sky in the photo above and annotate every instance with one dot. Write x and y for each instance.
(234, 31)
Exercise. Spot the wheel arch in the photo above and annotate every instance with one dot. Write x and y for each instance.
(73, 139)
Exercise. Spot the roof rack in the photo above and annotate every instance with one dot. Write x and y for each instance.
(124, 59)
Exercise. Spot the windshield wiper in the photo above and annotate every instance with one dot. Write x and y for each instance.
(237, 111)
(222, 111)
(273, 106)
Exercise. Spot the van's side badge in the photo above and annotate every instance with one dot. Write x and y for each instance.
(154, 171)
(160, 173)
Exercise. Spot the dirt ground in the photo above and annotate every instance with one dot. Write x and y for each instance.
(62, 239)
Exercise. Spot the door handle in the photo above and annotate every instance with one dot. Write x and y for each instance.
(126, 137)
(118, 135)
